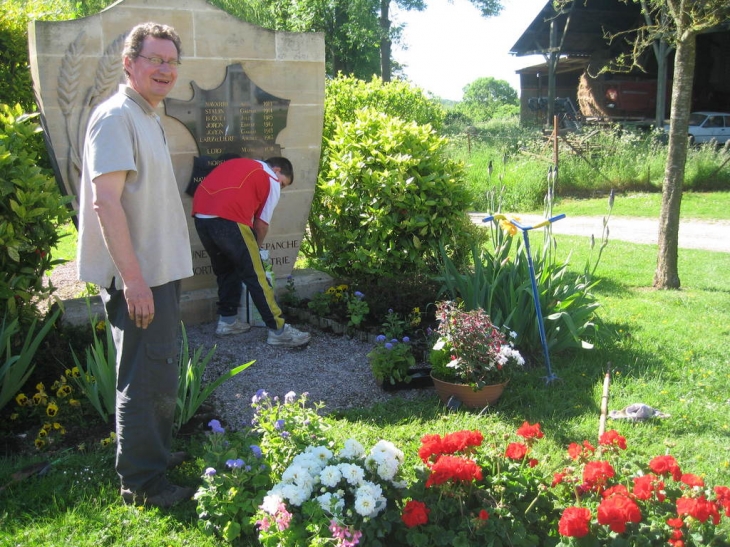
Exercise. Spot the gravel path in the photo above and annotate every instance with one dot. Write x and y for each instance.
(331, 368)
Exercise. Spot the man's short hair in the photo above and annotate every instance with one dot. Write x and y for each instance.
(284, 166)
(135, 39)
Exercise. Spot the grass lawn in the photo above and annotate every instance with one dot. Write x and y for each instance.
(668, 349)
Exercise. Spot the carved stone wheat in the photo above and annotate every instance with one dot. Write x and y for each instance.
(76, 111)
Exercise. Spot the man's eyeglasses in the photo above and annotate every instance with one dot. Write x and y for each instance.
(158, 61)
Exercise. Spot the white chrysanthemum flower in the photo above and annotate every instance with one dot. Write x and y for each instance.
(353, 474)
(309, 461)
(369, 500)
(388, 448)
(330, 476)
(321, 453)
(295, 473)
(351, 450)
(507, 352)
(365, 505)
(271, 503)
(369, 489)
(296, 494)
(387, 469)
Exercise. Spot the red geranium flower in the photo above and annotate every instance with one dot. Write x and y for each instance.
(558, 478)
(433, 446)
(699, 508)
(575, 522)
(516, 451)
(612, 438)
(596, 474)
(453, 468)
(675, 522)
(576, 451)
(692, 480)
(527, 431)
(483, 515)
(415, 513)
(617, 511)
(666, 465)
(648, 484)
(723, 498)
(618, 489)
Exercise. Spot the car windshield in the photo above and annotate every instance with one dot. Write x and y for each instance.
(697, 119)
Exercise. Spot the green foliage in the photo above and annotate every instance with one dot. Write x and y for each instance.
(499, 282)
(190, 392)
(394, 178)
(98, 379)
(487, 98)
(15, 80)
(618, 158)
(320, 304)
(345, 98)
(234, 483)
(390, 359)
(350, 27)
(15, 369)
(357, 308)
(31, 211)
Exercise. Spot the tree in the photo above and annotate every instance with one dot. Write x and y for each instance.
(484, 97)
(350, 27)
(672, 24)
(684, 20)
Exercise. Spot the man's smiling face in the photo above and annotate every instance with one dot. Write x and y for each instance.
(151, 81)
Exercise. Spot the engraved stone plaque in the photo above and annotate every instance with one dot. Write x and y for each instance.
(238, 117)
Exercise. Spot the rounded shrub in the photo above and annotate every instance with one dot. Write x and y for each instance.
(389, 193)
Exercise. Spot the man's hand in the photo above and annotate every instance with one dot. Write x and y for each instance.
(140, 303)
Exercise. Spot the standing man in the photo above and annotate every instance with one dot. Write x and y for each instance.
(134, 244)
(233, 207)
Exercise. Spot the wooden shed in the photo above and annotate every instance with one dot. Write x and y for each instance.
(574, 44)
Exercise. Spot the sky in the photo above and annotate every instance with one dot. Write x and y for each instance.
(450, 44)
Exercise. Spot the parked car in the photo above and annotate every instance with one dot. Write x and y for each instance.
(708, 126)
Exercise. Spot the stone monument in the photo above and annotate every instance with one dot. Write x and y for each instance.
(241, 90)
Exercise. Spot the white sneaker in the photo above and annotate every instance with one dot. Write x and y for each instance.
(226, 329)
(290, 337)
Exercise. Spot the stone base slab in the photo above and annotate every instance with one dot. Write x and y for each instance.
(199, 306)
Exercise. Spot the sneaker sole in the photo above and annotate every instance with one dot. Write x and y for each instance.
(230, 333)
(288, 343)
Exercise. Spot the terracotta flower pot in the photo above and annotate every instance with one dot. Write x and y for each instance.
(488, 395)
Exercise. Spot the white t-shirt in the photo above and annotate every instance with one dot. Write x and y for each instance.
(125, 134)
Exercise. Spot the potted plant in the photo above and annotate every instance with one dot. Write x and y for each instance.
(472, 359)
(390, 360)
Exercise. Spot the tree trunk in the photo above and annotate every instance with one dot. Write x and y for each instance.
(666, 275)
(385, 42)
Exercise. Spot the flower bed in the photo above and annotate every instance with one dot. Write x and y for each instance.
(286, 483)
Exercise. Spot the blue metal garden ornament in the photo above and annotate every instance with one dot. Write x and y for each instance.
(535, 294)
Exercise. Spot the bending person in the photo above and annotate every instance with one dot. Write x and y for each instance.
(233, 207)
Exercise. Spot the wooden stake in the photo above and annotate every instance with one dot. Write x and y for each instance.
(604, 402)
